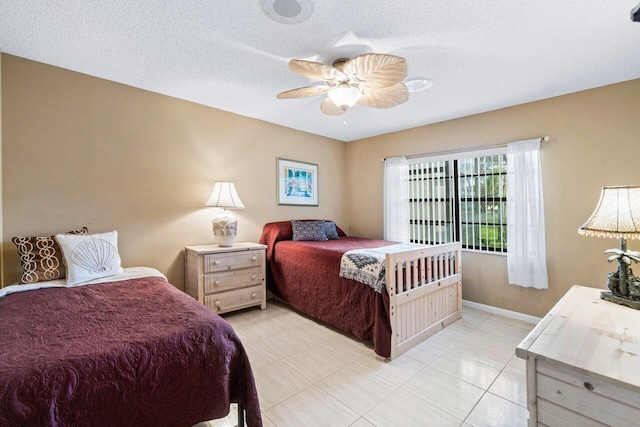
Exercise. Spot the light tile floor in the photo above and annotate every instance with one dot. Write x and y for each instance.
(310, 374)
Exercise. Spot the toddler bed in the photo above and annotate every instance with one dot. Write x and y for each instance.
(421, 287)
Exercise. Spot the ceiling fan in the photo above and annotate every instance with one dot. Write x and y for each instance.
(373, 80)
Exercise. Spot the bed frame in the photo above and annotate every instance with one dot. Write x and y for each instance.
(425, 293)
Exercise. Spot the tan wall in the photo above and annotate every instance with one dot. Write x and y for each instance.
(1, 228)
(84, 151)
(79, 150)
(594, 142)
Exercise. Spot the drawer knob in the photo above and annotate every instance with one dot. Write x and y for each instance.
(253, 276)
(588, 386)
(217, 303)
(217, 282)
(253, 295)
(253, 258)
(216, 262)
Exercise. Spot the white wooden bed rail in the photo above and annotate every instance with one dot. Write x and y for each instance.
(425, 293)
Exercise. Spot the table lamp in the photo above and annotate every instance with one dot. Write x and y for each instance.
(225, 226)
(617, 215)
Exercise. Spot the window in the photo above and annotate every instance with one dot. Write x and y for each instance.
(462, 199)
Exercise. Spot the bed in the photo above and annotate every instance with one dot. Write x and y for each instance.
(422, 290)
(126, 350)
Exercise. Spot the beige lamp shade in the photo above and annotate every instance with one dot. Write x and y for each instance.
(617, 214)
(225, 226)
(224, 195)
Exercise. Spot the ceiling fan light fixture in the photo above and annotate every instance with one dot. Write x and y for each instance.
(418, 84)
(344, 97)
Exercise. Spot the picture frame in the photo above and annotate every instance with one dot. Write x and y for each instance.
(297, 183)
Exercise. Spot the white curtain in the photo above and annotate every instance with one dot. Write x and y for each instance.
(396, 200)
(526, 254)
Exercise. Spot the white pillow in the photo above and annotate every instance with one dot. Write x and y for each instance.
(90, 257)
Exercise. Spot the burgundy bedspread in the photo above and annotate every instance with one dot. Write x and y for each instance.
(305, 275)
(137, 352)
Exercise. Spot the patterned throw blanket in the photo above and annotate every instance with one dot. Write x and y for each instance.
(368, 265)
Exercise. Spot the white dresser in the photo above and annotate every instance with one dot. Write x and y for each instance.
(583, 363)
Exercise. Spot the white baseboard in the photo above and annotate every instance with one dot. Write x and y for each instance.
(501, 311)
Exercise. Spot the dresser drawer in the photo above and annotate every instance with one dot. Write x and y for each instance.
(228, 280)
(550, 414)
(233, 261)
(233, 300)
(585, 396)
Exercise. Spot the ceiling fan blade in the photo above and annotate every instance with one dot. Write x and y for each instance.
(303, 92)
(329, 108)
(385, 97)
(377, 70)
(316, 70)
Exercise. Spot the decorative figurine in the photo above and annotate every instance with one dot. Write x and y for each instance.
(624, 286)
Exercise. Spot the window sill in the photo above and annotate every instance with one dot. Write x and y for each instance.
(476, 251)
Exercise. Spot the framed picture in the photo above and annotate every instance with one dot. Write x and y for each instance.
(297, 183)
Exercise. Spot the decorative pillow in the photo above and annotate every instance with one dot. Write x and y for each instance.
(90, 257)
(330, 230)
(308, 230)
(41, 257)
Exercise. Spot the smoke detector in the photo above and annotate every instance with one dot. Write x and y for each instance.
(287, 11)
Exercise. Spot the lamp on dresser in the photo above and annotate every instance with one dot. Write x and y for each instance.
(617, 215)
(225, 225)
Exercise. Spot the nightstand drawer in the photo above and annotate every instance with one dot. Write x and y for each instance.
(232, 261)
(227, 280)
(233, 300)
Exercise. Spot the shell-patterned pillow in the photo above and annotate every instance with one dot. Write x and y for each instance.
(90, 257)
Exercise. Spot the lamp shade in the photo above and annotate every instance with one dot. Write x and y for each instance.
(224, 195)
(617, 214)
(344, 97)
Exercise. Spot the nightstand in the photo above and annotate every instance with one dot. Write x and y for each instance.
(226, 278)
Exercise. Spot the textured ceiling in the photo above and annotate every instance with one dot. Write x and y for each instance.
(482, 55)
